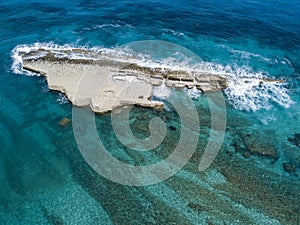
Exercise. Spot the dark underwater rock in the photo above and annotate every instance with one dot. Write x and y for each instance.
(246, 154)
(238, 145)
(53, 219)
(172, 128)
(64, 122)
(296, 139)
(195, 206)
(289, 167)
(260, 143)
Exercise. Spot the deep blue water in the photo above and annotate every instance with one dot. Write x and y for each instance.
(44, 179)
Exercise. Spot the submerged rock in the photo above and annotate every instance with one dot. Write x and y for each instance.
(143, 117)
(259, 144)
(291, 154)
(295, 140)
(172, 128)
(289, 167)
(195, 206)
(246, 154)
(64, 122)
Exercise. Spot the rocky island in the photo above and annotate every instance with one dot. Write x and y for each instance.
(104, 81)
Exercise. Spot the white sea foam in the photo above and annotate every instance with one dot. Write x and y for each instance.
(173, 32)
(45, 89)
(162, 91)
(250, 91)
(194, 93)
(25, 48)
(246, 54)
(113, 25)
(105, 26)
(62, 99)
(245, 91)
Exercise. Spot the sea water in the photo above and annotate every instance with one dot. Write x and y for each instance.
(255, 176)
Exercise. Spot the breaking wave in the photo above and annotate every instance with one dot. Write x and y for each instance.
(251, 90)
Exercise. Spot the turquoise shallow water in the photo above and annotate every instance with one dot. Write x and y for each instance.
(45, 180)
